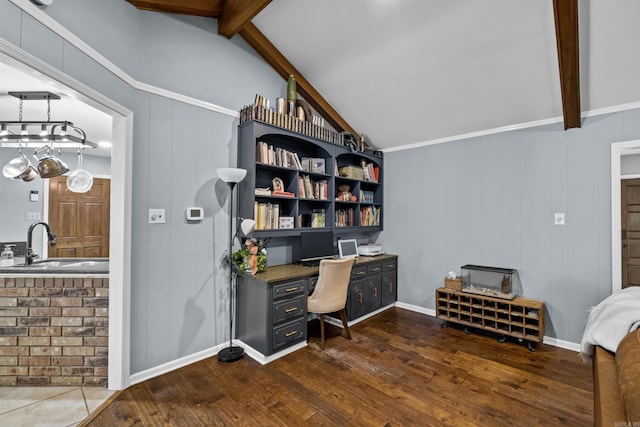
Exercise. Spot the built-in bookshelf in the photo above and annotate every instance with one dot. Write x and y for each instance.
(295, 182)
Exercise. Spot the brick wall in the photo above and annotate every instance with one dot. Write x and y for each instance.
(54, 331)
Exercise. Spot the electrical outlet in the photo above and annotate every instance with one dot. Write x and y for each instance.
(558, 218)
(156, 216)
(32, 216)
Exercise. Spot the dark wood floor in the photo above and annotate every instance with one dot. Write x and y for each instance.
(400, 369)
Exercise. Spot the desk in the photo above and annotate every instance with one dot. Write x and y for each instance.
(272, 305)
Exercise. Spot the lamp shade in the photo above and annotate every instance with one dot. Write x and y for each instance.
(231, 174)
(247, 226)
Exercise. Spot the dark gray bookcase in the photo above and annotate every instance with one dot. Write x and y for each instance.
(335, 157)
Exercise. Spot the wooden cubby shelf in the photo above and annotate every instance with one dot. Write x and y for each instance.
(520, 318)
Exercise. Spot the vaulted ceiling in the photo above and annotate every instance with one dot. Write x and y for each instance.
(413, 71)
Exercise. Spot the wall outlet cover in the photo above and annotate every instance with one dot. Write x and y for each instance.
(156, 216)
(558, 218)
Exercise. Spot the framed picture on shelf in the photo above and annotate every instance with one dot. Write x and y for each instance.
(286, 222)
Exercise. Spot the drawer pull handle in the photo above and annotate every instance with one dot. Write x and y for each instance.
(360, 298)
(376, 269)
(291, 289)
(288, 334)
(390, 287)
(360, 273)
(375, 292)
(289, 310)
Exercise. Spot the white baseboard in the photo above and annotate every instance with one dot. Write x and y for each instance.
(262, 359)
(175, 364)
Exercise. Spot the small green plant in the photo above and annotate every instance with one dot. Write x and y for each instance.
(250, 258)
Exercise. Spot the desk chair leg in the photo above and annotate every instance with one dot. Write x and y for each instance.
(322, 331)
(345, 324)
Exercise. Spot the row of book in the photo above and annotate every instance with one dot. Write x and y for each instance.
(367, 196)
(268, 155)
(345, 218)
(369, 216)
(266, 215)
(313, 189)
(371, 172)
(314, 219)
(270, 116)
(276, 156)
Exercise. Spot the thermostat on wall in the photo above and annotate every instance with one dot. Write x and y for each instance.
(195, 214)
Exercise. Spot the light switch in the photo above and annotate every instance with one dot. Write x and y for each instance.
(558, 218)
(156, 216)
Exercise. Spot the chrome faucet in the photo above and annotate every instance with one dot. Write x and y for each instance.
(30, 256)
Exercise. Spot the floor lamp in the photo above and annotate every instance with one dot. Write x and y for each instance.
(231, 176)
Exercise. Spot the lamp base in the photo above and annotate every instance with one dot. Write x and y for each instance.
(230, 354)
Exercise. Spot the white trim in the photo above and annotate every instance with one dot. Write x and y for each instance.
(120, 210)
(519, 126)
(618, 149)
(262, 359)
(474, 134)
(417, 309)
(567, 345)
(631, 176)
(76, 41)
(156, 371)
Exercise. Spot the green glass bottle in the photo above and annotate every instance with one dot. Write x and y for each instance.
(291, 95)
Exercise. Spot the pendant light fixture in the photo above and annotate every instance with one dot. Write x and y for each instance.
(36, 134)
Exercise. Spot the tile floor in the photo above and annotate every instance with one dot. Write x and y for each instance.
(49, 406)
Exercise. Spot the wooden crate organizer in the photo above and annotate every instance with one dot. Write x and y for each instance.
(520, 318)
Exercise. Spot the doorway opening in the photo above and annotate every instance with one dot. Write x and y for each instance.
(120, 203)
(618, 151)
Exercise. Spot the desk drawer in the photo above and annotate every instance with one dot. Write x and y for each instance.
(374, 268)
(357, 272)
(391, 264)
(288, 333)
(288, 288)
(288, 309)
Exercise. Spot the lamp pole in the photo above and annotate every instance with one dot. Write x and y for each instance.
(231, 353)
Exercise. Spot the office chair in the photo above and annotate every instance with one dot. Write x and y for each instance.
(330, 293)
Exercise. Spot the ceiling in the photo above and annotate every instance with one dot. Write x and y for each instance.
(17, 77)
(416, 71)
(406, 72)
(413, 71)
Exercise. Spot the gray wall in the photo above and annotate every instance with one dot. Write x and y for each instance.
(491, 201)
(179, 294)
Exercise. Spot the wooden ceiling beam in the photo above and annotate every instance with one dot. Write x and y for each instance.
(208, 8)
(237, 13)
(566, 18)
(284, 68)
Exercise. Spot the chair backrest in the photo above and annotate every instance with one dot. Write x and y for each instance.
(330, 293)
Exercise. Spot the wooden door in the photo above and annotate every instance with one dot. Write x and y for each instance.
(79, 220)
(630, 200)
